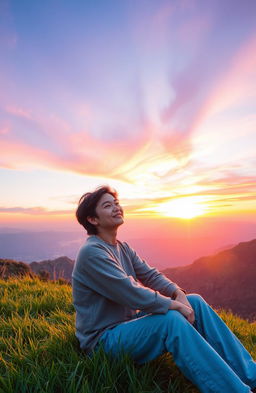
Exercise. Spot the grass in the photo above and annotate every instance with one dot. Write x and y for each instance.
(40, 354)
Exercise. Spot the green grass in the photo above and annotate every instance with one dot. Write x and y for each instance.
(40, 354)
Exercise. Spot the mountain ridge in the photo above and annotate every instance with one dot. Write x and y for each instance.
(226, 279)
(60, 267)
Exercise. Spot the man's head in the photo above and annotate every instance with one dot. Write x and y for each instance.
(99, 208)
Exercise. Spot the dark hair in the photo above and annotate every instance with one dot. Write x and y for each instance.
(87, 207)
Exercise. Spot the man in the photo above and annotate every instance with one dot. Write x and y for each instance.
(111, 283)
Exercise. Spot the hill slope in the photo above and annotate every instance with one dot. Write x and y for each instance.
(226, 280)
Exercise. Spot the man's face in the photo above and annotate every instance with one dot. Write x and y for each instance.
(109, 212)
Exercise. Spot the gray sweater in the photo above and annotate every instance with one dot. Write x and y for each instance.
(110, 284)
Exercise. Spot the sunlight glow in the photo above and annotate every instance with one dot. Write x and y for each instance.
(187, 207)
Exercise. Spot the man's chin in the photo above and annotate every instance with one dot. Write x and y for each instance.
(121, 221)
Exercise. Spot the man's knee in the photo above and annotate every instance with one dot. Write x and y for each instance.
(171, 318)
(196, 299)
(195, 296)
(175, 318)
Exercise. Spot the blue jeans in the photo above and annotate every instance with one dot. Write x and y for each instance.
(207, 353)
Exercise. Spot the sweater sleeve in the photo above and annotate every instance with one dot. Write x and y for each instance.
(151, 277)
(105, 276)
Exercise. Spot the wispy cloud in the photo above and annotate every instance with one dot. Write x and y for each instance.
(19, 112)
(33, 211)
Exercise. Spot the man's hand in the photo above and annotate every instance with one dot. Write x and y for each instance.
(188, 312)
(181, 297)
(182, 305)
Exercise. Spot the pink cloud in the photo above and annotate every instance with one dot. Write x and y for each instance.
(19, 112)
(51, 141)
(18, 155)
(80, 152)
(4, 130)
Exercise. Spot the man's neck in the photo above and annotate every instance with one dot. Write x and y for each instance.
(108, 237)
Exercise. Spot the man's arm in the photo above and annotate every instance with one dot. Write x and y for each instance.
(104, 275)
(156, 280)
(151, 277)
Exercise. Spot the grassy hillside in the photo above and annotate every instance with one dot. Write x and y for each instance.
(39, 352)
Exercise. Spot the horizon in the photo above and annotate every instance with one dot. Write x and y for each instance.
(156, 99)
(178, 242)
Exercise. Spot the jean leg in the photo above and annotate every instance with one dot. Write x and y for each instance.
(142, 337)
(221, 338)
(148, 337)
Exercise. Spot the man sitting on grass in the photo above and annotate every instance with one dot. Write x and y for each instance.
(111, 283)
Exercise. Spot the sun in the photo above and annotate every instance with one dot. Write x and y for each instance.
(186, 207)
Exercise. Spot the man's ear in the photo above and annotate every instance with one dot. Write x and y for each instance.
(92, 220)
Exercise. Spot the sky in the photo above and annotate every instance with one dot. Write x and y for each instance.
(155, 98)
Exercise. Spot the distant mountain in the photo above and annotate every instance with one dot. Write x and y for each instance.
(226, 280)
(58, 268)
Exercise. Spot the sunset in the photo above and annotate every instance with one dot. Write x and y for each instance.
(157, 100)
(128, 196)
